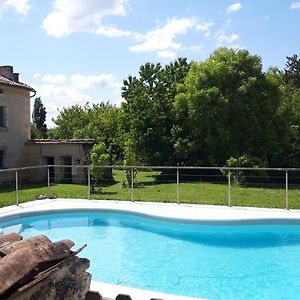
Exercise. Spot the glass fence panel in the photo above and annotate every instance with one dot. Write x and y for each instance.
(255, 188)
(32, 184)
(294, 189)
(68, 182)
(252, 188)
(203, 186)
(109, 183)
(7, 188)
(155, 185)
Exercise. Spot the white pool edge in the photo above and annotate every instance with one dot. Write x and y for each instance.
(112, 291)
(184, 212)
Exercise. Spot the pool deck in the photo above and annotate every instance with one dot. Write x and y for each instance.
(192, 212)
(185, 212)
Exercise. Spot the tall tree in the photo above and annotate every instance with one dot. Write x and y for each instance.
(39, 117)
(228, 106)
(148, 113)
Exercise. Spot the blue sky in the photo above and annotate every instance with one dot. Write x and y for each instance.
(75, 51)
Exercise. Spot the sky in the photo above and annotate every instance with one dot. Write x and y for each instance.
(78, 51)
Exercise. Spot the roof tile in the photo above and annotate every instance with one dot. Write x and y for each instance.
(60, 141)
(8, 82)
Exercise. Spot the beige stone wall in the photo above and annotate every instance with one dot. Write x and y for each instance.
(13, 138)
(37, 155)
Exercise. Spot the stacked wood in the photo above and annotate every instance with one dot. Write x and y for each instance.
(36, 268)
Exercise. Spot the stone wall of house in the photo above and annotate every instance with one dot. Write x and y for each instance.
(39, 154)
(12, 139)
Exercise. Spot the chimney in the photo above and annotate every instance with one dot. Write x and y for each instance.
(16, 77)
(7, 72)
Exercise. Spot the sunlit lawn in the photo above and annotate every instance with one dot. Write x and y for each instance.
(149, 188)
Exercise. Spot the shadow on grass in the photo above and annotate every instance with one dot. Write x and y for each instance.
(101, 192)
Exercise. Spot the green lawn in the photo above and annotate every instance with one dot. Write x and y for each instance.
(149, 187)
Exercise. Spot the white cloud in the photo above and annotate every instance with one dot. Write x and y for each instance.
(166, 54)
(21, 7)
(54, 79)
(204, 27)
(101, 80)
(234, 7)
(196, 48)
(113, 31)
(36, 75)
(57, 97)
(227, 40)
(68, 94)
(162, 39)
(70, 16)
(58, 90)
(295, 5)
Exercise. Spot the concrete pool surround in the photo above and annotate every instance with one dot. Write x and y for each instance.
(177, 213)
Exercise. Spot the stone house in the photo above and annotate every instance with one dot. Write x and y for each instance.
(17, 149)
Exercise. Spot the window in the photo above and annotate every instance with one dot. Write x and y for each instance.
(2, 164)
(3, 116)
(1, 91)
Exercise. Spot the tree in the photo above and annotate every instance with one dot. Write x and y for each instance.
(69, 120)
(227, 107)
(292, 71)
(97, 121)
(148, 113)
(39, 117)
(99, 157)
(35, 133)
(129, 160)
(287, 123)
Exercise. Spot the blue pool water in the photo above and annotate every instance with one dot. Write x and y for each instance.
(207, 261)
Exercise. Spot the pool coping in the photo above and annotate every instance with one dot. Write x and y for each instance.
(171, 211)
(206, 214)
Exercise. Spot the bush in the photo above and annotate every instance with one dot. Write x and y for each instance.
(245, 177)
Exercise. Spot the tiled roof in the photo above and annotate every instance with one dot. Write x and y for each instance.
(8, 82)
(60, 141)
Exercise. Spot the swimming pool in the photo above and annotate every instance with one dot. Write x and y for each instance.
(213, 260)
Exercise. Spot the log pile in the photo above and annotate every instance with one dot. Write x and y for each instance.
(37, 268)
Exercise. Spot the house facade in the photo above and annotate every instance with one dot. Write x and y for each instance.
(17, 149)
(14, 118)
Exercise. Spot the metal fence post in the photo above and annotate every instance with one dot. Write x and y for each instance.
(17, 188)
(229, 188)
(89, 182)
(48, 180)
(177, 187)
(286, 190)
(132, 184)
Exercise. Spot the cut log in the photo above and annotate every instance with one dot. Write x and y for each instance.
(15, 266)
(67, 243)
(9, 238)
(51, 270)
(44, 249)
(34, 241)
(53, 251)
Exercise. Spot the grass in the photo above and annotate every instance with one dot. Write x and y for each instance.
(151, 186)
